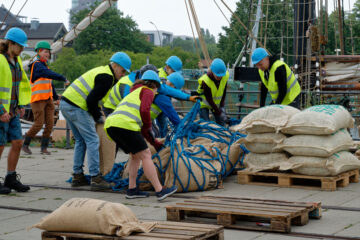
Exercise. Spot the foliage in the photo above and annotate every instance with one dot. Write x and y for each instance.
(277, 22)
(112, 32)
(189, 44)
(71, 65)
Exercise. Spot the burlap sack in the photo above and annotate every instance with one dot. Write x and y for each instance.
(236, 154)
(319, 120)
(318, 146)
(316, 166)
(263, 142)
(266, 119)
(257, 162)
(106, 150)
(87, 215)
(191, 175)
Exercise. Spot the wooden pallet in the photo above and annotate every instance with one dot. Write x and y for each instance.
(162, 231)
(297, 180)
(245, 213)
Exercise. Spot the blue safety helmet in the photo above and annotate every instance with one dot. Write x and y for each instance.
(177, 80)
(258, 55)
(151, 75)
(17, 35)
(175, 63)
(218, 67)
(122, 59)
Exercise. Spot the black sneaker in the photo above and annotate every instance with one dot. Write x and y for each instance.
(12, 181)
(79, 180)
(166, 192)
(4, 190)
(98, 183)
(136, 193)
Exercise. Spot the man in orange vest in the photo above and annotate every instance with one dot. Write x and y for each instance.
(41, 101)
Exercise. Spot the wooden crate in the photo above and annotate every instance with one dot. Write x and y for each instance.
(278, 179)
(245, 213)
(162, 231)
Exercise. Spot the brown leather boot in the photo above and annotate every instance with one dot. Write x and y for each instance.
(26, 144)
(44, 145)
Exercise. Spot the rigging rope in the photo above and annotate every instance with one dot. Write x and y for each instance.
(192, 30)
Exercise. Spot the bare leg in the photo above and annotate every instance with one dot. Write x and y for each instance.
(133, 169)
(14, 154)
(149, 169)
(1, 150)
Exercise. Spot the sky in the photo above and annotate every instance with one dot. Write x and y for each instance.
(167, 15)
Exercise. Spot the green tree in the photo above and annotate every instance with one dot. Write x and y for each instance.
(275, 26)
(112, 32)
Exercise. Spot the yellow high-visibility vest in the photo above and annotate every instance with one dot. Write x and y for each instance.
(293, 87)
(115, 97)
(162, 73)
(127, 113)
(6, 84)
(78, 91)
(217, 93)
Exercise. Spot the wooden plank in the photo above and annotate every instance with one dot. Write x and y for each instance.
(248, 205)
(162, 231)
(216, 210)
(295, 180)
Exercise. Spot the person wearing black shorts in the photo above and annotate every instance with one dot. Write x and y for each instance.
(129, 124)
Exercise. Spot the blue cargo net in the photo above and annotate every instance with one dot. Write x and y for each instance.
(179, 143)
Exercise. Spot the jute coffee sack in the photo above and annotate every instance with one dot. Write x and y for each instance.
(317, 166)
(263, 142)
(318, 145)
(257, 162)
(319, 120)
(266, 119)
(87, 215)
(107, 150)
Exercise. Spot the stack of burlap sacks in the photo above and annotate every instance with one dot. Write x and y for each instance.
(262, 127)
(196, 164)
(314, 141)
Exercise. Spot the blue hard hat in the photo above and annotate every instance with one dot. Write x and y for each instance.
(151, 75)
(17, 35)
(218, 67)
(122, 59)
(258, 55)
(175, 63)
(177, 80)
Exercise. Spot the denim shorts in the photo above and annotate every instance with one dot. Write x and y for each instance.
(10, 130)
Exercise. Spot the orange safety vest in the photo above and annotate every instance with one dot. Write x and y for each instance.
(41, 88)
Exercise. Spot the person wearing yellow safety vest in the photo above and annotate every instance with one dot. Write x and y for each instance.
(42, 104)
(118, 92)
(15, 93)
(277, 79)
(173, 64)
(212, 88)
(80, 106)
(129, 124)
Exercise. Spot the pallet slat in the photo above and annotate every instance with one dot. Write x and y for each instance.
(278, 179)
(162, 231)
(245, 213)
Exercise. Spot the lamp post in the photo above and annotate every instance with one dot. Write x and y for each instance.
(157, 32)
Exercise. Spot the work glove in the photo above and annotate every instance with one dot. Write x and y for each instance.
(195, 93)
